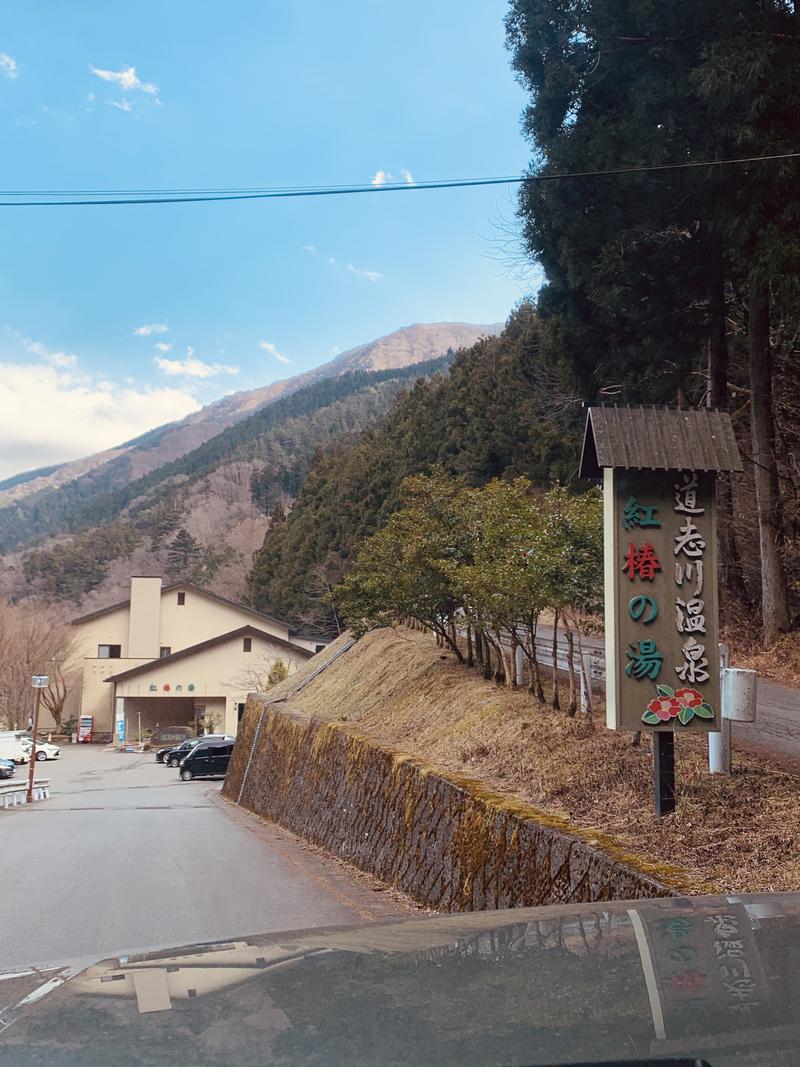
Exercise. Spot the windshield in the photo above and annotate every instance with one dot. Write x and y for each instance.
(713, 977)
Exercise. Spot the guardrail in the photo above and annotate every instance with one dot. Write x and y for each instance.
(12, 794)
(594, 658)
(593, 668)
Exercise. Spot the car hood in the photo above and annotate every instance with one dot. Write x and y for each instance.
(707, 976)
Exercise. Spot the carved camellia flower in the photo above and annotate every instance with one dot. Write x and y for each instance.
(665, 707)
(690, 698)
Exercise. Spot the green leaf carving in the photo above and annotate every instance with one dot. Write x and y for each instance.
(686, 715)
(705, 711)
(651, 718)
(665, 691)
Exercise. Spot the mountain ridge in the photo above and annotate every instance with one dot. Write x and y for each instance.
(416, 343)
(79, 542)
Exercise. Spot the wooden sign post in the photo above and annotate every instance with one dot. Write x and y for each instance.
(659, 470)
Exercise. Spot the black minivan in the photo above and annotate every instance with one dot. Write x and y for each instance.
(207, 758)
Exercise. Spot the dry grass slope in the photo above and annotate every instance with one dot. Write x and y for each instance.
(732, 834)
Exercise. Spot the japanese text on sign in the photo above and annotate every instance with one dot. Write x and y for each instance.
(665, 589)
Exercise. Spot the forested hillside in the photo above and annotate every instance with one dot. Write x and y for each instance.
(494, 414)
(255, 466)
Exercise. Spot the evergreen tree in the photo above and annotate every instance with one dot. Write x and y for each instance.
(646, 271)
(184, 554)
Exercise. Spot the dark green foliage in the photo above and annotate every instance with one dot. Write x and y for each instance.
(68, 571)
(28, 476)
(495, 414)
(160, 521)
(183, 554)
(629, 259)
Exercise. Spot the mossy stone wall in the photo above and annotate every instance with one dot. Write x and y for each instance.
(446, 842)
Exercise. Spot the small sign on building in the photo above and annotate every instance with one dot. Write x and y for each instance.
(659, 470)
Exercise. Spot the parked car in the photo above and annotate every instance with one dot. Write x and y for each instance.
(44, 750)
(8, 768)
(162, 752)
(207, 759)
(173, 757)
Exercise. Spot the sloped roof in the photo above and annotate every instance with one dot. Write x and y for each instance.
(664, 439)
(203, 646)
(189, 587)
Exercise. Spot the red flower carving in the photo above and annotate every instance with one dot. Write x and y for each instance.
(167, 687)
(690, 698)
(664, 707)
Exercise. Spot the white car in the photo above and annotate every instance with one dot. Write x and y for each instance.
(44, 750)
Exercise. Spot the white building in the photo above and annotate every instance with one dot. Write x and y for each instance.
(173, 654)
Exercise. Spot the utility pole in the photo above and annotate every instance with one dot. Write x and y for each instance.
(38, 682)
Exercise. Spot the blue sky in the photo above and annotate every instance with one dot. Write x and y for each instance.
(200, 93)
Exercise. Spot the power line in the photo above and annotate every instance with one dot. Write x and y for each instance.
(116, 198)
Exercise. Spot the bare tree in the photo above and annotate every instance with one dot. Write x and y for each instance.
(263, 674)
(34, 640)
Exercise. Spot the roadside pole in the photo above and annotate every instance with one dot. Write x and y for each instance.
(664, 771)
(719, 745)
(38, 682)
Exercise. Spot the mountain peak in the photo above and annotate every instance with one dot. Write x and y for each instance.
(404, 347)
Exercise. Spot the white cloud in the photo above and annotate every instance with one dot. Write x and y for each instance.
(311, 249)
(370, 275)
(164, 346)
(8, 66)
(192, 367)
(151, 327)
(51, 412)
(126, 79)
(122, 105)
(383, 177)
(54, 357)
(360, 272)
(268, 346)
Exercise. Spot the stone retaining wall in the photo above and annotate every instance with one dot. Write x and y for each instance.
(446, 842)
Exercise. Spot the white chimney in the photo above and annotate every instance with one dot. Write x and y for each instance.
(144, 618)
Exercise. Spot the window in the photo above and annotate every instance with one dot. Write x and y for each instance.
(319, 648)
(165, 650)
(181, 599)
(247, 644)
(109, 651)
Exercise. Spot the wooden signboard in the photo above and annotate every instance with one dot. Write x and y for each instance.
(662, 632)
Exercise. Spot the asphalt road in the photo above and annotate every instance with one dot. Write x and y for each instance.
(125, 857)
(776, 731)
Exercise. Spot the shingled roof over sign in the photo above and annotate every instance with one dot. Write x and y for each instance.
(659, 439)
